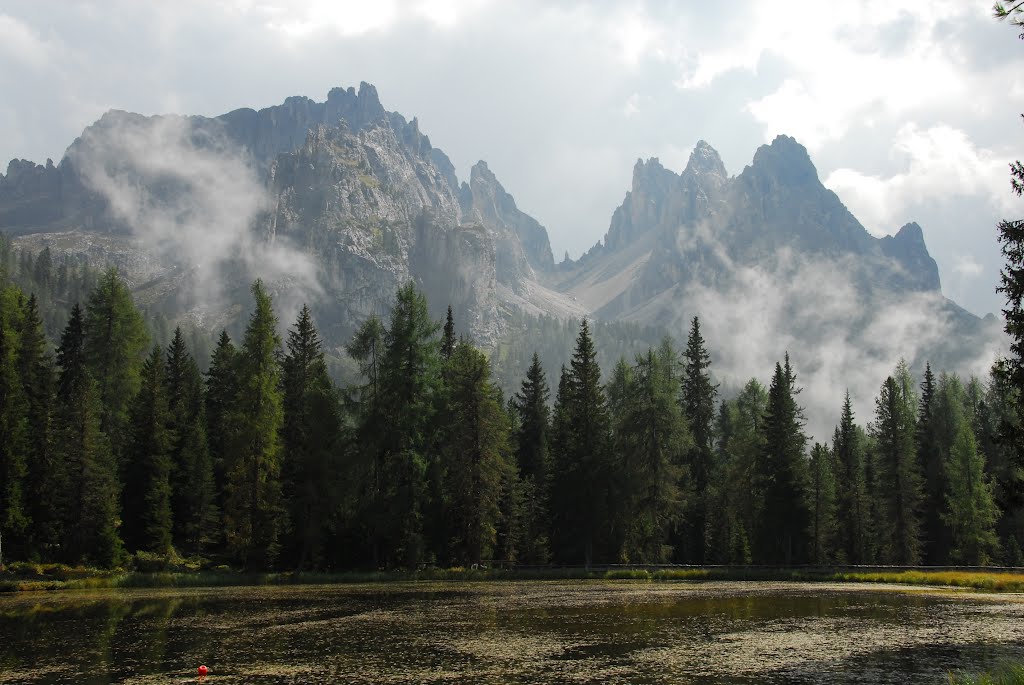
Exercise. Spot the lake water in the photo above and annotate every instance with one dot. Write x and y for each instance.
(523, 632)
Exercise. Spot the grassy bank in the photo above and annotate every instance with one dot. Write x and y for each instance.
(38, 577)
(1011, 675)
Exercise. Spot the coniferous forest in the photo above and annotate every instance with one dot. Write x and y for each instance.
(114, 448)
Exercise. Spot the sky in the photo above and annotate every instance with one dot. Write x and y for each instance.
(909, 110)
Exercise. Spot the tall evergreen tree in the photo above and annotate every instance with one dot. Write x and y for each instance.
(192, 475)
(898, 473)
(654, 438)
(89, 500)
(14, 442)
(822, 498)
(409, 376)
(852, 499)
(477, 456)
(221, 391)
(782, 534)
(311, 434)
(115, 347)
(252, 507)
(580, 473)
(935, 532)
(698, 400)
(147, 494)
(970, 512)
(448, 340)
(36, 373)
(533, 457)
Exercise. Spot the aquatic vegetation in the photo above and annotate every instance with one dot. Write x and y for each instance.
(1009, 675)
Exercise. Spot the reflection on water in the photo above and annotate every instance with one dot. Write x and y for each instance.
(528, 632)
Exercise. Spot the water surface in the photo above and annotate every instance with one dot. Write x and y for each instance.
(509, 632)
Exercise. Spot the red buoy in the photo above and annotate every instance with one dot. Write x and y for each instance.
(203, 670)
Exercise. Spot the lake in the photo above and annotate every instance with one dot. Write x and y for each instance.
(509, 632)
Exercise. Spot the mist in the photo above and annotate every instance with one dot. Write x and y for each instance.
(194, 200)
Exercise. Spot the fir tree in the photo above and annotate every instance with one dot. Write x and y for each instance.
(698, 400)
(448, 336)
(935, 532)
(533, 457)
(115, 346)
(580, 478)
(782, 534)
(252, 507)
(221, 391)
(970, 510)
(655, 438)
(147, 495)
(898, 474)
(822, 498)
(852, 503)
(311, 435)
(14, 521)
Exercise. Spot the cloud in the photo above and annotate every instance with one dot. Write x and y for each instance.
(20, 43)
(188, 196)
(939, 163)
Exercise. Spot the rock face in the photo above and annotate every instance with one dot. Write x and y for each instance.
(357, 198)
(358, 189)
(701, 226)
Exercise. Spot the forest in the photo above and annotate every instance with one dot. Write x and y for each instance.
(116, 449)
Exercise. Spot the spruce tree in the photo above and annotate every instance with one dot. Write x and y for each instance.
(14, 442)
(91, 491)
(970, 510)
(533, 456)
(898, 474)
(935, 532)
(409, 377)
(310, 433)
(822, 498)
(148, 522)
(698, 400)
(478, 458)
(655, 438)
(852, 498)
(192, 475)
(36, 374)
(448, 336)
(115, 346)
(252, 506)
(784, 519)
(580, 479)
(221, 391)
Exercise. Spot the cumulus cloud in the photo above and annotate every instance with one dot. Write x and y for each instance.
(193, 200)
(939, 163)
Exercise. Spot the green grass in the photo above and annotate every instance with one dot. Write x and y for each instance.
(978, 580)
(1010, 675)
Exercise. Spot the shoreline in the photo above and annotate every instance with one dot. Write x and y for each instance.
(58, 578)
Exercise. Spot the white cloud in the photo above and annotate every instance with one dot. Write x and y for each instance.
(940, 163)
(22, 44)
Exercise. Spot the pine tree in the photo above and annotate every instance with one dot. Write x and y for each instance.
(409, 376)
(36, 374)
(147, 494)
(935, 531)
(970, 510)
(822, 505)
(654, 438)
(115, 346)
(852, 501)
(192, 475)
(533, 457)
(477, 456)
(221, 391)
(782, 535)
(580, 479)
(311, 434)
(898, 474)
(448, 337)
(14, 442)
(91, 493)
(252, 507)
(698, 400)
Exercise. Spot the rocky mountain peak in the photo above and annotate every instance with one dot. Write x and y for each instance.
(650, 176)
(785, 161)
(705, 161)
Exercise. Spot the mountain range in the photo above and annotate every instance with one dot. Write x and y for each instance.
(339, 202)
